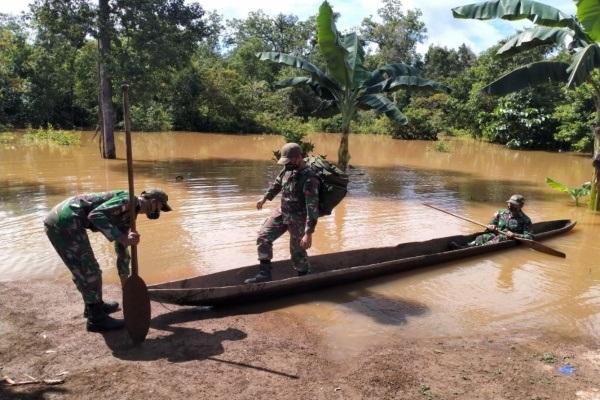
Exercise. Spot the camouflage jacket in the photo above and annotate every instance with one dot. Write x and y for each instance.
(519, 224)
(299, 196)
(107, 212)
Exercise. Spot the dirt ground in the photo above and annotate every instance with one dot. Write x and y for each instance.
(258, 353)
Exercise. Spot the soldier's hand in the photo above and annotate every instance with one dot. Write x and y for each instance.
(306, 241)
(491, 227)
(509, 234)
(260, 203)
(131, 239)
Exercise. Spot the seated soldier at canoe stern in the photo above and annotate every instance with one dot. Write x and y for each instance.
(507, 223)
(297, 215)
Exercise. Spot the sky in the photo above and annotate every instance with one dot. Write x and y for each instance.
(443, 29)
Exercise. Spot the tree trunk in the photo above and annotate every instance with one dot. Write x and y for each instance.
(343, 151)
(108, 137)
(595, 193)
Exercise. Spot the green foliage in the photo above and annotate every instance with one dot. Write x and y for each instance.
(49, 135)
(7, 137)
(151, 117)
(575, 192)
(441, 147)
(519, 123)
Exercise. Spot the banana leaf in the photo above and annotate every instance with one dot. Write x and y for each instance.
(557, 185)
(528, 75)
(588, 13)
(382, 104)
(538, 13)
(391, 71)
(583, 64)
(536, 36)
(392, 84)
(319, 90)
(358, 73)
(329, 43)
(301, 63)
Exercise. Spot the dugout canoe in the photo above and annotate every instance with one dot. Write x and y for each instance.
(227, 287)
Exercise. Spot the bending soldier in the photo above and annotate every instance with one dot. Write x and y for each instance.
(107, 212)
(297, 215)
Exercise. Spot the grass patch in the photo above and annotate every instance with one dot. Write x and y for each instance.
(50, 135)
(441, 147)
(7, 138)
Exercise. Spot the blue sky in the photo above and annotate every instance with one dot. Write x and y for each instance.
(442, 28)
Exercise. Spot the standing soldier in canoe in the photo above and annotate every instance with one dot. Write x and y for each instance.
(297, 215)
(507, 223)
(107, 212)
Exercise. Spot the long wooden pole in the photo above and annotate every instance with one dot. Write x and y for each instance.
(136, 302)
(527, 242)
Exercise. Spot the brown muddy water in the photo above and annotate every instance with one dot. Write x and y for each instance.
(215, 222)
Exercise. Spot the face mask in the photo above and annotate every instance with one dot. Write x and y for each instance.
(153, 214)
(290, 167)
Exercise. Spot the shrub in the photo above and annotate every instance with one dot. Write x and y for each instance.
(151, 117)
(49, 135)
(519, 124)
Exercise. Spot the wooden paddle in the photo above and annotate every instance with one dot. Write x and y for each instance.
(527, 242)
(136, 302)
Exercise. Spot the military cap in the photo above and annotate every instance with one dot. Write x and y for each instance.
(288, 151)
(516, 199)
(158, 195)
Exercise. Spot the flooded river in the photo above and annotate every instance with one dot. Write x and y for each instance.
(215, 222)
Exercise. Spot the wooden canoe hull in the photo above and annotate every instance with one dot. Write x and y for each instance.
(227, 287)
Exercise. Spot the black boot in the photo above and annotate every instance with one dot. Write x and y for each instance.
(99, 321)
(264, 273)
(109, 307)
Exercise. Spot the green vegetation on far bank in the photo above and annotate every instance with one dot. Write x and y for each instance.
(214, 83)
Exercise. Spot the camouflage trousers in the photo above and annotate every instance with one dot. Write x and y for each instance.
(73, 246)
(488, 238)
(273, 228)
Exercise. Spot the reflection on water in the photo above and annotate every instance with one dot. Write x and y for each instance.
(215, 222)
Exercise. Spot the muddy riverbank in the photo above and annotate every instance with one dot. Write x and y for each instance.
(259, 352)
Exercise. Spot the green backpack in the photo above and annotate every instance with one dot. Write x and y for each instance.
(333, 183)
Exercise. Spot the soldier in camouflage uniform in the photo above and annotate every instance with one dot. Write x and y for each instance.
(297, 215)
(107, 212)
(511, 221)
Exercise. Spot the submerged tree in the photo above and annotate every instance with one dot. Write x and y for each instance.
(346, 84)
(580, 36)
(138, 41)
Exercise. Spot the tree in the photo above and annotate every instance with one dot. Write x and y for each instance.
(397, 35)
(551, 26)
(283, 33)
(139, 42)
(347, 85)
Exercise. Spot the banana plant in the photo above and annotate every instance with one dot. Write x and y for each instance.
(345, 83)
(580, 35)
(575, 192)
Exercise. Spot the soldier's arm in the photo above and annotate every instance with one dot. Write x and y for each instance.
(311, 198)
(275, 187)
(123, 259)
(100, 217)
(493, 225)
(526, 229)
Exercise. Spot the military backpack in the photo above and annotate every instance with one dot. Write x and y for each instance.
(333, 183)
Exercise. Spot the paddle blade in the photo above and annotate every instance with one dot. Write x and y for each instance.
(542, 248)
(136, 308)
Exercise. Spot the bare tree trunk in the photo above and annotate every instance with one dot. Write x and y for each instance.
(343, 150)
(108, 137)
(595, 194)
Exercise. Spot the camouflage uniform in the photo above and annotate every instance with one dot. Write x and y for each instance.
(66, 224)
(504, 220)
(298, 214)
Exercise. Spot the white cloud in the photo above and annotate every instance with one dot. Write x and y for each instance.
(442, 28)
